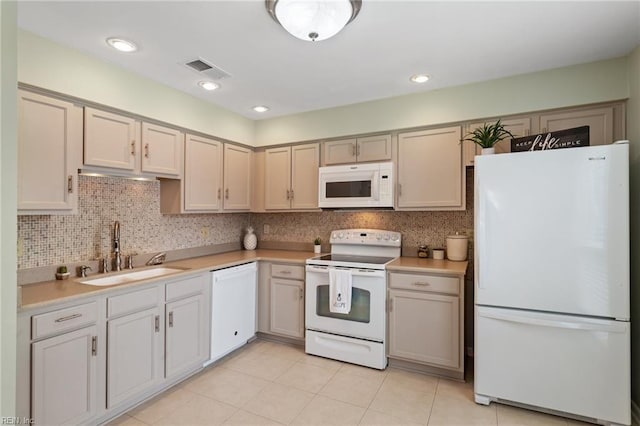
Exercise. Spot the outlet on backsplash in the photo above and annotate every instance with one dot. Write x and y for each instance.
(204, 232)
(266, 229)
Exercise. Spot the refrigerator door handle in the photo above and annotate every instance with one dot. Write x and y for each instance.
(609, 328)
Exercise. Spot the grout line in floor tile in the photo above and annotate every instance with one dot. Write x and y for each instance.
(433, 400)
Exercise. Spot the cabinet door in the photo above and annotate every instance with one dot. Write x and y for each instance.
(305, 160)
(186, 336)
(338, 152)
(162, 150)
(202, 174)
(424, 327)
(49, 153)
(237, 178)
(430, 172)
(277, 170)
(517, 126)
(599, 120)
(374, 148)
(63, 380)
(287, 307)
(111, 140)
(134, 355)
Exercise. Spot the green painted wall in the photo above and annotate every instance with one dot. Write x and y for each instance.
(8, 207)
(49, 65)
(633, 134)
(576, 85)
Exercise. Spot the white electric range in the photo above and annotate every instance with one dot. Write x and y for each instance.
(359, 336)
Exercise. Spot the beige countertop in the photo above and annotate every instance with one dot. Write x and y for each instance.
(418, 264)
(49, 292)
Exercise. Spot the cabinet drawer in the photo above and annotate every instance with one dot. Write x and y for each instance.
(183, 288)
(287, 271)
(63, 320)
(434, 283)
(131, 302)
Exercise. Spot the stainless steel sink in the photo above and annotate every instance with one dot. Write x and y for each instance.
(130, 276)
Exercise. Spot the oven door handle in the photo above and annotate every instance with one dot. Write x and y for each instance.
(371, 273)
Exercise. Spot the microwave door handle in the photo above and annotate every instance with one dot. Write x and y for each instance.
(375, 186)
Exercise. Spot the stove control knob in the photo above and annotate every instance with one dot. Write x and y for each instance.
(378, 237)
(341, 235)
(395, 238)
(386, 237)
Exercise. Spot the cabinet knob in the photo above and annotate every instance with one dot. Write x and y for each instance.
(70, 184)
(94, 346)
(288, 195)
(146, 150)
(226, 193)
(133, 148)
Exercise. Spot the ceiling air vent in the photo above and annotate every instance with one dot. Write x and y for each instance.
(207, 69)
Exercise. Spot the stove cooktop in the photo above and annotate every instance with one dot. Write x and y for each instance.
(351, 261)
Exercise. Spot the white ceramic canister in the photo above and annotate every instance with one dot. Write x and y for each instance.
(457, 247)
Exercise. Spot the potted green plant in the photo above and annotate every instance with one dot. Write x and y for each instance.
(487, 136)
(317, 245)
(62, 273)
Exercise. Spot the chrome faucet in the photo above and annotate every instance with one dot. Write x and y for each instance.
(117, 260)
(157, 259)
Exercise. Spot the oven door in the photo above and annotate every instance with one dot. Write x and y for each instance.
(366, 319)
(349, 186)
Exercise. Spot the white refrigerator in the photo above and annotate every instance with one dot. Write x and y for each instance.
(552, 326)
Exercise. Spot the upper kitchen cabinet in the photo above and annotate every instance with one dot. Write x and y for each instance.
(517, 126)
(370, 148)
(111, 140)
(162, 150)
(49, 154)
(237, 178)
(600, 122)
(291, 177)
(202, 174)
(122, 143)
(430, 172)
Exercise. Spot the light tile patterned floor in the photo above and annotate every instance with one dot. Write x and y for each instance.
(268, 383)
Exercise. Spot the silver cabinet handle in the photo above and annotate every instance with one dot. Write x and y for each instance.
(133, 148)
(70, 184)
(421, 284)
(146, 150)
(171, 319)
(301, 294)
(226, 193)
(219, 193)
(157, 323)
(94, 346)
(288, 196)
(399, 190)
(68, 317)
(292, 194)
(285, 272)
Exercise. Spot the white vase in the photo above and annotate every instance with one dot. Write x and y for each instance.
(250, 240)
(317, 248)
(488, 151)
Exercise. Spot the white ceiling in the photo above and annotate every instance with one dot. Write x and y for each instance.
(372, 58)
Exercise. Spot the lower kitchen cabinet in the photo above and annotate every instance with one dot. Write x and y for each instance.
(134, 355)
(287, 307)
(426, 320)
(187, 319)
(64, 373)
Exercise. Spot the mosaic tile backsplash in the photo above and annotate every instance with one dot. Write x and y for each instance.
(53, 240)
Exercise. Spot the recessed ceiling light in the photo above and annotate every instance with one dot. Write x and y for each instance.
(122, 45)
(420, 78)
(209, 85)
(261, 108)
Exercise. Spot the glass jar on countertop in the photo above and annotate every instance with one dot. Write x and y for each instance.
(423, 251)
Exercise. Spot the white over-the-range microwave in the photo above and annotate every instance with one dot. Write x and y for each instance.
(356, 186)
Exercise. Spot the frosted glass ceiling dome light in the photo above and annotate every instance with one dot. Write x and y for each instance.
(313, 20)
(122, 45)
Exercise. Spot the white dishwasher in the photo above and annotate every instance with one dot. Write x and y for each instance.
(233, 308)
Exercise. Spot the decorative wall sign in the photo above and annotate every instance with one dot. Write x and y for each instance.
(570, 138)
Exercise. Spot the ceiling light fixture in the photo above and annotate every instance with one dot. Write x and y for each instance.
(419, 78)
(313, 20)
(208, 85)
(122, 45)
(261, 108)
